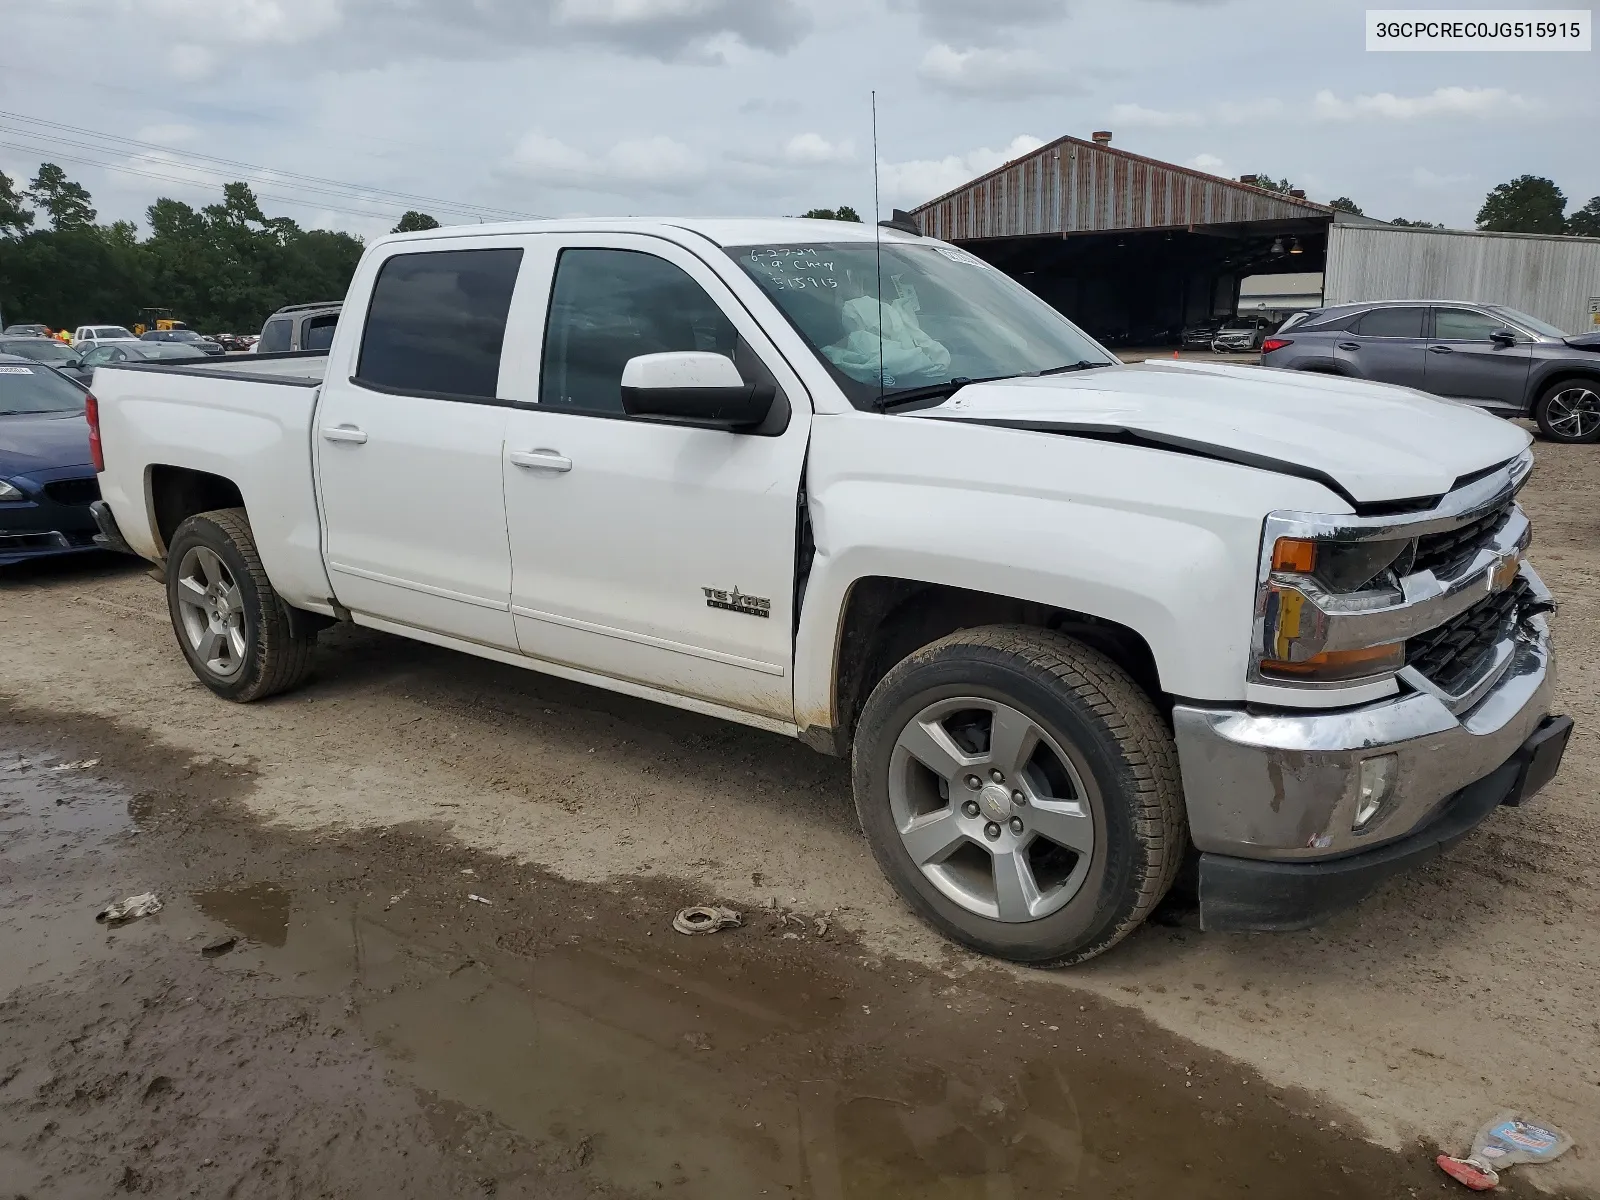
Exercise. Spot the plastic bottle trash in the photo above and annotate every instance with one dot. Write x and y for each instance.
(143, 905)
(1504, 1142)
(702, 918)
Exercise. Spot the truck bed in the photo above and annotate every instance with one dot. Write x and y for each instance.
(302, 367)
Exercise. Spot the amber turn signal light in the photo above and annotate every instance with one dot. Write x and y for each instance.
(1298, 555)
(1336, 666)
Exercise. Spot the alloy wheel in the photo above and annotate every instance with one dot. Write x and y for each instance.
(1574, 412)
(212, 612)
(991, 809)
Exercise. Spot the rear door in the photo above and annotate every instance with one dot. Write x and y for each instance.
(408, 437)
(650, 551)
(1466, 363)
(1387, 345)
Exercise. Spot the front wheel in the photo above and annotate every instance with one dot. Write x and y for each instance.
(232, 628)
(1021, 792)
(1569, 411)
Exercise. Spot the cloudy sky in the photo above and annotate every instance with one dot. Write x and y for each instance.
(343, 113)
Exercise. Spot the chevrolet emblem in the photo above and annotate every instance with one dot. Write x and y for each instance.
(1505, 573)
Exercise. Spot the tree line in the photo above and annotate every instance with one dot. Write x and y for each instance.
(223, 267)
(1526, 204)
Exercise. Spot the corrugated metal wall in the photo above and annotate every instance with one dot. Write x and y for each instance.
(1551, 278)
(1072, 186)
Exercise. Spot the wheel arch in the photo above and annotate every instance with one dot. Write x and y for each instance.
(174, 494)
(885, 618)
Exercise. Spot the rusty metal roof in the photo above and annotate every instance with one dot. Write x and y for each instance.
(1073, 186)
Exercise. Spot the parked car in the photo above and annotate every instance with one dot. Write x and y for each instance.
(89, 336)
(59, 355)
(1483, 354)
(47, 474)
(183, 337)
(134, 352)
(1067, 617)
(1198, 335)
(27, 330)
(233, 343)
(299, 327)
(1241, 334)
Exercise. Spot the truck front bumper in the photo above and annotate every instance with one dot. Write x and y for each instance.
(1273, 797)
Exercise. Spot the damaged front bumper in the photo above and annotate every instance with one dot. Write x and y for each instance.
(1274, 797)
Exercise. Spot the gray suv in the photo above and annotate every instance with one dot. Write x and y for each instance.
(1483, 354)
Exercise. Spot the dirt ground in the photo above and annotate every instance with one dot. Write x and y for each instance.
(317, 1044)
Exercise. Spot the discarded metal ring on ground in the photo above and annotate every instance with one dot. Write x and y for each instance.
(701, 918)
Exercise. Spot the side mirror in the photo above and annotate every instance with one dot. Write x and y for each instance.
(694, 387)
(1503, 337)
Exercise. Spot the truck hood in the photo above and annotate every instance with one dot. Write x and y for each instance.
(1370, 443)
(40, 441)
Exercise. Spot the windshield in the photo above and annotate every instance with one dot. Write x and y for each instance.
(46, 350)
(1543, 328)
(946, 315)
(186, 335)
(25, 389)
(113, 331)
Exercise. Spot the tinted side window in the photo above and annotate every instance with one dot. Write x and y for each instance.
(275, 337)
(1462, 325)
(1392, 322)
(608, 306)
(437, 320)
(318, 332)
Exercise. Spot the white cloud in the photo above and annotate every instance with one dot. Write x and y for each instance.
(911, 183)
(1209, 163)
(1152, 118)
(812, 149)
(191, 63)
(657, 164)
(1442, 102)
(970, 16)
(994, 72)
(167, 135)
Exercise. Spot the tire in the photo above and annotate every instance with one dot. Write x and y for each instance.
(1102, 775)
(1569, 411)
(234, 630)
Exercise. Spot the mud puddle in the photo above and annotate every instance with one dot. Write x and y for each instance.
(373, 1030)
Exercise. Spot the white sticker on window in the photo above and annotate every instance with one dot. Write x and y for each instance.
(960, 256)
(16, 370)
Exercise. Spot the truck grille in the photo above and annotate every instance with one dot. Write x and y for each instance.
(1445, 553)
(1453, 654)
(73, 491)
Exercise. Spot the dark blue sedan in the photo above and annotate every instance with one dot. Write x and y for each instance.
(47, 480)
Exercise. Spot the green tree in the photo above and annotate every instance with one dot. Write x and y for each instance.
(1526, 204)
(1273, 185)
(15, 216)
(65, 202)
(415, 222)
(1416, 224)
(843, 213)
(1345, 204)
(1586, 221)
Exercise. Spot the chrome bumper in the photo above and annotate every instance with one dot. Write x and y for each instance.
(1282, 786)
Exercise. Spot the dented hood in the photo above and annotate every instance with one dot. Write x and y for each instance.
(1370, 442)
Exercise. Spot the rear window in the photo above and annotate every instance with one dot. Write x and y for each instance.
(46, 350)
(437, 321)
(1392, 322)
(274, 337)
(113, 331)
(26, 389)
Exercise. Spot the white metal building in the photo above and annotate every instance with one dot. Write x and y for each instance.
(1556, 279)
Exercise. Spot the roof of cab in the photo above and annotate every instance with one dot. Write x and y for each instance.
(723, 231)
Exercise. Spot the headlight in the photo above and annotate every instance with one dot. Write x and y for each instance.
(1294, 627)
(8, 492)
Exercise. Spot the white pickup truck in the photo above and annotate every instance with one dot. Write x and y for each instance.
(1081, 624)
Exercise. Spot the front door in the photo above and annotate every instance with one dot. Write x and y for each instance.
(1387, 345)
(657, 553)
(409, 445)
(1465, 362)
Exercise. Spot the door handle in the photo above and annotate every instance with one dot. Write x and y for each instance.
(1349, 345)
(344, 433)
(541, 460)
(1440, 350)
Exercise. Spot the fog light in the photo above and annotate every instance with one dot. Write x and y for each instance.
(1376, 786)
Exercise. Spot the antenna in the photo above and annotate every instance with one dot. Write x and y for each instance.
(877, 239)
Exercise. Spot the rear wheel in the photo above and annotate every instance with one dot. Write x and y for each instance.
(1569, 411)
(232, 628)
(1021, 792)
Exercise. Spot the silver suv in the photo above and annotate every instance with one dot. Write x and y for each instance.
(1483, 354)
